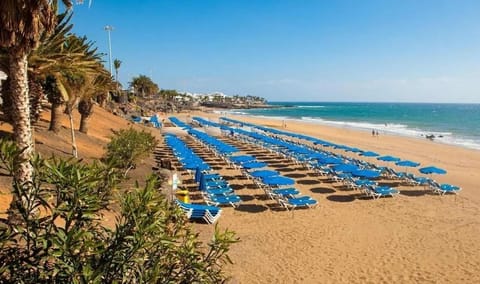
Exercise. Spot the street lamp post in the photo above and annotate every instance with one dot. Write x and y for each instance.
(109, 29)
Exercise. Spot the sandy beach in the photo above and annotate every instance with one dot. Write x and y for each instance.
(414, 237)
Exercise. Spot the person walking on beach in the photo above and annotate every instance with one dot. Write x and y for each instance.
(373, 132)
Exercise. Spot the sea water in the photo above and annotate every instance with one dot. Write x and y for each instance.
(457, 124)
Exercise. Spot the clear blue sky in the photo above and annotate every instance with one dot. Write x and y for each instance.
(385, 50)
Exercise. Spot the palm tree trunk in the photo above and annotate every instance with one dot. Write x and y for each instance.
(55, 115)
(22, 134)
(22, 129)
(72, 132)
(102, 100)
(36, 95)
(84, 118)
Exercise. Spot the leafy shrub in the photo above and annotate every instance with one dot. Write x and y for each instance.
(59, 237)
(128, 146)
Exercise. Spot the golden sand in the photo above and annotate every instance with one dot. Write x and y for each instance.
(414, 237)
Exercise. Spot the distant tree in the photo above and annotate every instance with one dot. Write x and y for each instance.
(116, 64)
(144, 86)
(218, 98)
(96, 85)
(169, 95)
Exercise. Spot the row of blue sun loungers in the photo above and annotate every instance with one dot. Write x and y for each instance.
(297, 154)
(187, 159)
(223, 150)
(215, 190)
(287, 197)
(290, 150)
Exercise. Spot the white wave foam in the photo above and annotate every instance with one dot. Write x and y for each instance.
(235, 112)
(310, 106)
(393, 127)
(260, 116)
(402, 130)
(389, 128)
(464, 142)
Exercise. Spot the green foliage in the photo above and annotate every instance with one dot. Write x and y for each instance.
(128, 146)
(144, 86)
(60, 237)
(57, 228)
(154, 243)
(169, 95)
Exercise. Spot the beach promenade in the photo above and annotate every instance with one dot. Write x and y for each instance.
(416, 236)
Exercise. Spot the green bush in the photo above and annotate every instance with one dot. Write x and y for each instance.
(128, 146)
(58, 235)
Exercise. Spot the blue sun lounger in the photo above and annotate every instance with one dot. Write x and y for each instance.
(444, 188)
(219, 200)
(292, 203)
(209, 214)
(283, 192)
(219, 191)
(380, 191)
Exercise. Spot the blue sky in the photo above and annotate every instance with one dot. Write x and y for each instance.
(386, 50)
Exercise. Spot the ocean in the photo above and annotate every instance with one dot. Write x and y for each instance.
(457, 124)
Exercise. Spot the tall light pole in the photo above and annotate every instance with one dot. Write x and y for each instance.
(109, 29)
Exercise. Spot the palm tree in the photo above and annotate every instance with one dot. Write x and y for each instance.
(76, 58)
(85, 108)
(21, 25)
(56, 99)
(144, 85)
(50, 58)
(72, 82)
(116, 64)
(44, 61)
(94, 85)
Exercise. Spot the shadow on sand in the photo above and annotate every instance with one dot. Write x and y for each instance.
(237, 186)
(341, 198)
(295, 175)
(246, 198)
(414, 193)
(322, 190)
(251, 208)
(308, 181)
